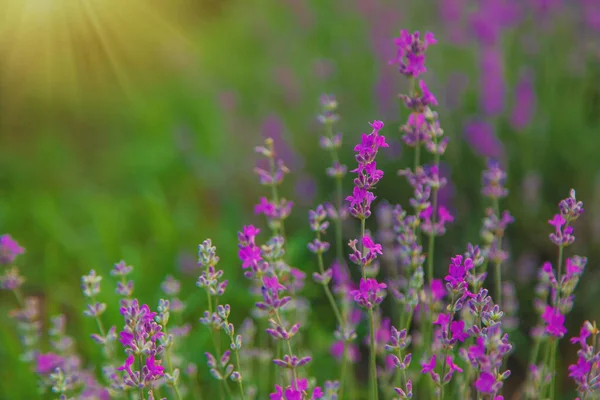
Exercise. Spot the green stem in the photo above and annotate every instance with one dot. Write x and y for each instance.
(344, 369)
(170, 365)
(547, 352)
(594, 340)
(141, 389)
(274, 191)
(555, 342)
(339, 198)
(290, 352)
(19, 297)
(372, 364)
(362, 236)
(444, 365)
(498, 264)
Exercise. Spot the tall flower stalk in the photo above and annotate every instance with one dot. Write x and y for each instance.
(210, 281)
(332, 143)
(370, 293)
(319, 224)
(495, 223)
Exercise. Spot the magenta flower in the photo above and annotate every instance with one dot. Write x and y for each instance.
(485, 383)
(47, 362)
(367, 173)
(453, 367)
(9, 249)
(250, 256)
(372, 247)
(429, 367)
(524, 106)
(369, 294)
(555, 322)
(410, 52)
(127, 366)
(154, 370)
(458, 331)
(438, 290)
(352, 352)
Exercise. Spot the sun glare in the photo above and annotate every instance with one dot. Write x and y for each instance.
(67, 48)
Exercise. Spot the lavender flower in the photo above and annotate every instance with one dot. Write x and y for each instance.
(141, 339)
(410, 56)
(9, 249)
(276, 210)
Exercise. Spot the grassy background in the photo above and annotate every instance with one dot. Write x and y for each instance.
(135, 141)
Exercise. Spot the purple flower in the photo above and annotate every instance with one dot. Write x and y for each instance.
(524, 106)
(555, 322)
(481, 137)
(9, 249)
(429, 366)
(458, 331)
(337, 351)
(410, 52)
(369, 294)
(47, 362)
(485, 383)
(492, 81)
(493, 181)
(368, 174)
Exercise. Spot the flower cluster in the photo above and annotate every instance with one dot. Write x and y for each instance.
(491, 345)
(586, 372)
(368, 174)
(410, 52)
(141, 340)
(275, 209)
(10, 278)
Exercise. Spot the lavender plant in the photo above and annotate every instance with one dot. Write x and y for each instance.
(451, 322)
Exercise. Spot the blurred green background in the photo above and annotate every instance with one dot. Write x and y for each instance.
(127, 128)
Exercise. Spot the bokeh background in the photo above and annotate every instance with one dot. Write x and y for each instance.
(127, 131)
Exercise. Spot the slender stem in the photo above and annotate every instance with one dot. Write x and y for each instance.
(170, 365)
(274, 191)
(227, 388)
(444, 365)
(362, 236)
(291, 353)
(553, 367)
(19, 297)
(547, 352)
(239, 366)
(141, 389)
(555, 342)
(339, 198)
(498, 263)
(372, 364)
(344, 370)
(336, 310)
(587, 380)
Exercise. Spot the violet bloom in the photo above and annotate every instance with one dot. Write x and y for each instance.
(410, 52)
(585, 372)
(9, 249)
(297, 391)
(524, 106)
(492, 82)
(555, 322)
(141, 338)
(369, 294)
(493, 181)
(352, 352)
(482, 139)
(437, 228)
(48, 362)
(485, 383)
(368, 174)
